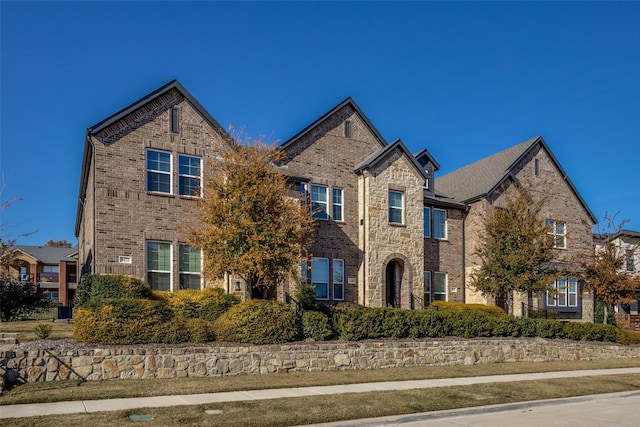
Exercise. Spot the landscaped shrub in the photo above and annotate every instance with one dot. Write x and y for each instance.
(306, 297)
(459, 306)
(598, 315)
(426, 323)
(43, 330)
(94, 288)
(257, 322)
(207, 304)
(627, 337)
(316, 325)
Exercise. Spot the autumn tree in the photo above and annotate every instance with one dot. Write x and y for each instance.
(515, 248)
(603, 270)
(58, 244)
(249, 225)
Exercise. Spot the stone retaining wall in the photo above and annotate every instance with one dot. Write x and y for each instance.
(214, 360)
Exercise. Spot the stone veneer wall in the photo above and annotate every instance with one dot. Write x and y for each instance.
(105, 363)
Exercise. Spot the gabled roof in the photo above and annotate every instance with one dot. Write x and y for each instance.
(348, 101)
(173, 84)
(483, 177)
(48, 254)
(427, 155)
(377, 155)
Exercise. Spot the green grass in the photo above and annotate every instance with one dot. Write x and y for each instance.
(25, 329)
(319, 409)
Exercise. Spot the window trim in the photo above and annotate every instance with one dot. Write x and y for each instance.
(188, 272)
(400, 208)
(335, 205)
(325, 203)
(313, 282)
(169, 272)
(551, 297)
(333, 279)
(446, 219)
(159, 172)
(181, 175)
(554, 232)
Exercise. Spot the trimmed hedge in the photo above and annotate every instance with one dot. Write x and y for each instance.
(93, 288)
(459, 306)
(207, 304)
(316, 325)
(257, 322)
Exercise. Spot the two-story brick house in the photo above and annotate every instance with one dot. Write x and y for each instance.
(372, 238)
(141, 175)
(531, 163)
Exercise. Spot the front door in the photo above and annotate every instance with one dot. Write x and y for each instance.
(393, 283)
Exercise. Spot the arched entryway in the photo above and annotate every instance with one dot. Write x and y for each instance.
(393, 283)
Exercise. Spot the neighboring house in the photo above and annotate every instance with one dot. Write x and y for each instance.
(628, 242)
(142, 170)
(374, 201)
(52, 269)
(532, 162)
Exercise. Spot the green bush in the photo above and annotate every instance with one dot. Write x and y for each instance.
(316, 325)
(306, 297)
(207, 304)
(257, 322)
(426, 323)
(43, 330)
(598, 315)
(94, 288)
(459, 306)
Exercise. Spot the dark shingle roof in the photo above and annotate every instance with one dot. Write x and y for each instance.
(479, 178)
(373, 158)
(48, 254)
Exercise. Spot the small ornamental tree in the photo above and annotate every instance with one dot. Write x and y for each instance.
(603, 270)
(515, 249)
(249, 225)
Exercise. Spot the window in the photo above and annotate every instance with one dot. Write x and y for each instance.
(439, 286)
(189, 175)
(347, 129)
(189, 267)
(338, 279)
(158, 171)
(558, 229)
(319, 201)
(564, 294)
(338, 207)
(396, 207)
(537, 167)
(439, 224)
(427, 288)
(320, 277)
(631, 261)
(50, 273)
(175, 120)
(427, 222)
(303, 272)
(159, 265)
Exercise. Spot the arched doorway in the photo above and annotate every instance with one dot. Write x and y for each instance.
(393, 283)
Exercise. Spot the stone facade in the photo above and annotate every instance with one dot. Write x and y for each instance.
(107, 363)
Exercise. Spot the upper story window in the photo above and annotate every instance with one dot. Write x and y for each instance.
(320, 201)
(175, 120)
(396, 207)
(159, 265)
(338, 204)
(439, 223)
(189, 175)
(347, 129)
(159, 171)
(631, 261)
(427, 222)
(189, 267)
(558, 229)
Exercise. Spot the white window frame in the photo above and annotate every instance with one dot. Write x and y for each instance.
(183, 175)
(315, 264)
(445, 231)
(338, 280)
(169, 272)
(339, 206)
(427, 222)
(565, 289)
(427, 288)
(159, 172)
(446, 286)
(188, 272)
(318, 214)
(557, 236)
(396, 208)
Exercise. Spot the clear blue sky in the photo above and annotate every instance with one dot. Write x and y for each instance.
(464, 80)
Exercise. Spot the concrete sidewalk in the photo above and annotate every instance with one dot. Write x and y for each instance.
(87, 406)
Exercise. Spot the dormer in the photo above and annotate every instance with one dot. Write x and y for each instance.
(429, 166)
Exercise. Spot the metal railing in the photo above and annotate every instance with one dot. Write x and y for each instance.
(417, 303)
(536, 312)
(292, 301)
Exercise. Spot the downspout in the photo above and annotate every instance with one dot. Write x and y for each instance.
(364, 242)
(464, 252)
(93, 184)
